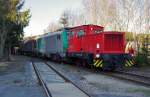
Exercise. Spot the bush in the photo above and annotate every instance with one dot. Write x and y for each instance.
(141, 59)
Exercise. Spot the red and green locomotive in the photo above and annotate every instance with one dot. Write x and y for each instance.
(91, 45)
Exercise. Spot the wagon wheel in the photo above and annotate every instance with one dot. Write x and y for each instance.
(78, 62)
(59, 59)
(84, 63)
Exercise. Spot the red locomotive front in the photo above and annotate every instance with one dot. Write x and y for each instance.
(92, 45)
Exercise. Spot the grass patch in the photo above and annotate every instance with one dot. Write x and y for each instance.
(146, 92)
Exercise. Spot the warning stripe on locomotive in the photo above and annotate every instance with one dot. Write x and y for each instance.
(129, 63)
(98, 63)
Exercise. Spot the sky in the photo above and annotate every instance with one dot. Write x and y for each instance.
(44, 12)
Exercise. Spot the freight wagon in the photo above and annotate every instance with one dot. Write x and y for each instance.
(52, 45)
(28, 47)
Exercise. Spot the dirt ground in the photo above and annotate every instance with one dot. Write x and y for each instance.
(17, 79)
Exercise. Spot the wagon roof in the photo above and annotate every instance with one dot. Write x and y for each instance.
(50, 34)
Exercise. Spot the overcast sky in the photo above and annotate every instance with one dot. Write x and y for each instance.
(46, 11)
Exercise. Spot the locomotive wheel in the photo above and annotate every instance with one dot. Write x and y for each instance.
(78, 63)
(84, 63)
(108, 69)
(59, 59)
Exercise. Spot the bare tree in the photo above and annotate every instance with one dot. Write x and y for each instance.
(52, 27)
(121, 15)
(64, 19)
(102, 12)
(91, 7)
(79, 18)
(147, 15)
(74, 17)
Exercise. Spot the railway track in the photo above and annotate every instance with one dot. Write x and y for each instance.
(48, 89)
(66, 79)
(125, 76)
(42, 83)
(134, 78)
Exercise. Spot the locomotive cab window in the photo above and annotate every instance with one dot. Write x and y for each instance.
(97, 31)
(58, 37)
(80, 33)
(70, 34)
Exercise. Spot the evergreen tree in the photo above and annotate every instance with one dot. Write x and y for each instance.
(12, 22)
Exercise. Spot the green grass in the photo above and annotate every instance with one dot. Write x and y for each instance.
(146, 92)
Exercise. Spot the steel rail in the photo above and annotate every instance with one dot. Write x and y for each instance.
(132, 74)
(66, 79)
(134, 78)
(47, 92)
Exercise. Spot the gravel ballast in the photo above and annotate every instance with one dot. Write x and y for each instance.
(99, 85)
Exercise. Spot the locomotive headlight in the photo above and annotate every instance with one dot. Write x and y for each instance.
(97, 45)
(97, 55)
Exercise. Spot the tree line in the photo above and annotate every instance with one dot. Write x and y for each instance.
(12, 21)
(116, 15)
